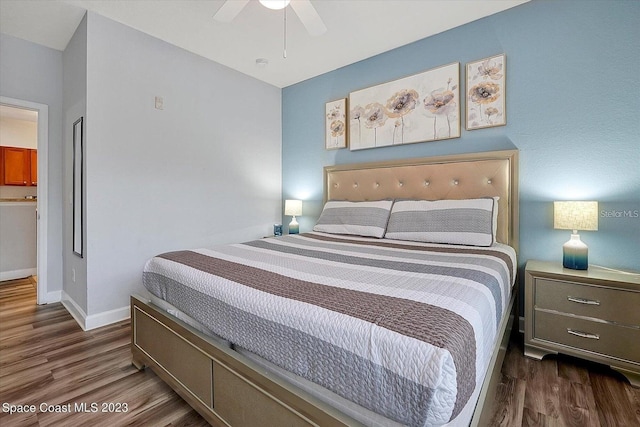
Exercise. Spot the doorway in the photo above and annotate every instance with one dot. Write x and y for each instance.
(43, 296)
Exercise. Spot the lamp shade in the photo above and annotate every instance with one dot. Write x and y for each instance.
(293, 207)
(575, 215)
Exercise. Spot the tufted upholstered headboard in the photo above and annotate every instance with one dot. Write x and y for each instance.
(463, 176)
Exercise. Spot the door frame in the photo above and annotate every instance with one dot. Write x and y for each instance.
(42, 192)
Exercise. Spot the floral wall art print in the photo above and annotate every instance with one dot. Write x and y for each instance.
(335, 124)
(419, 108)
(486, 93)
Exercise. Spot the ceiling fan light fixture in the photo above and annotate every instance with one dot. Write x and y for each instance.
(303, 8)
(275, 4)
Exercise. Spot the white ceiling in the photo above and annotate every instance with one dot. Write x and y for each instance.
(357, 29)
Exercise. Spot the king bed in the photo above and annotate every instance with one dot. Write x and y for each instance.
(395, 310)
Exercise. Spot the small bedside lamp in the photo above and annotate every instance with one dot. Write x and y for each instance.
(575, 216)
(293, 208)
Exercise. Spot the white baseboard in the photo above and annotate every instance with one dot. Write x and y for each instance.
(521, 325)
(74, 310)
(107, 317)
(51, 297)
(17, 274)
(93, 321)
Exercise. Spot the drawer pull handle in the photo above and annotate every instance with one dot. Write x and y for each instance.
(583, 334)
(583, 301)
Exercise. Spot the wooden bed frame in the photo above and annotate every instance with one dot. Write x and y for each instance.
(228, 389)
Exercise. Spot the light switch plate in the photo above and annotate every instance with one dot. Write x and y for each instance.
(159, 103)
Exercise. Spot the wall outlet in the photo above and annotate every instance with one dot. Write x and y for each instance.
(73, 275)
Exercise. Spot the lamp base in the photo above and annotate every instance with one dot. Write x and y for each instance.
(575, 254)
(294, 227)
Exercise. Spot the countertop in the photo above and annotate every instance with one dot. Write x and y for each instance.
(17, 201)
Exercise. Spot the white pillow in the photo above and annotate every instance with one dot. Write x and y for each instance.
(470, 222)
(356, 218)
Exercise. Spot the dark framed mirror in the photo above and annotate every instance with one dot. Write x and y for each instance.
(78, 159)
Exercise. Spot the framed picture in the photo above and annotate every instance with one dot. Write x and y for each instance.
(419, 108)
(78, 160)
(486, 93)
(335, 124)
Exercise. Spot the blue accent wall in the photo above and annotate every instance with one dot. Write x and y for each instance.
(573, 112)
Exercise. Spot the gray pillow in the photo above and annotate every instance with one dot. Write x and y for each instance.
(460, 222)
(356, 218)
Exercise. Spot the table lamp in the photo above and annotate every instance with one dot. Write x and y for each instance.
(293, 208)
(575, 216)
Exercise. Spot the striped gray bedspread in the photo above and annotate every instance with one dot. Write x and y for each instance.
(401, 328)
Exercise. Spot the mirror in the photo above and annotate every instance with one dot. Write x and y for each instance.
(77, 187)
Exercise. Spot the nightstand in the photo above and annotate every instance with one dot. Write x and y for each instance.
(593, 314)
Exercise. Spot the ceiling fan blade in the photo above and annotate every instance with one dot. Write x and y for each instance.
(309, 17)
(229, 10)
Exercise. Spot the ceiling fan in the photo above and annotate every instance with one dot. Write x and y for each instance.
(303, 8)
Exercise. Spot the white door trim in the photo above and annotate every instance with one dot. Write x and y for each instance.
(42, 192)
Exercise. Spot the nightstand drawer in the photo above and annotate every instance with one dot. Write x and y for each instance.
(591, 301)
(603, 338)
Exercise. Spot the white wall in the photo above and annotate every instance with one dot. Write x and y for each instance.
(33, 73)
(74, 84)
(18, 255)
(18, 243)
(18, 133)
(17, 191)
(205, 170)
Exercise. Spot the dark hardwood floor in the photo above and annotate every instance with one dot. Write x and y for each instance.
(46, 358)
(562, 391)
